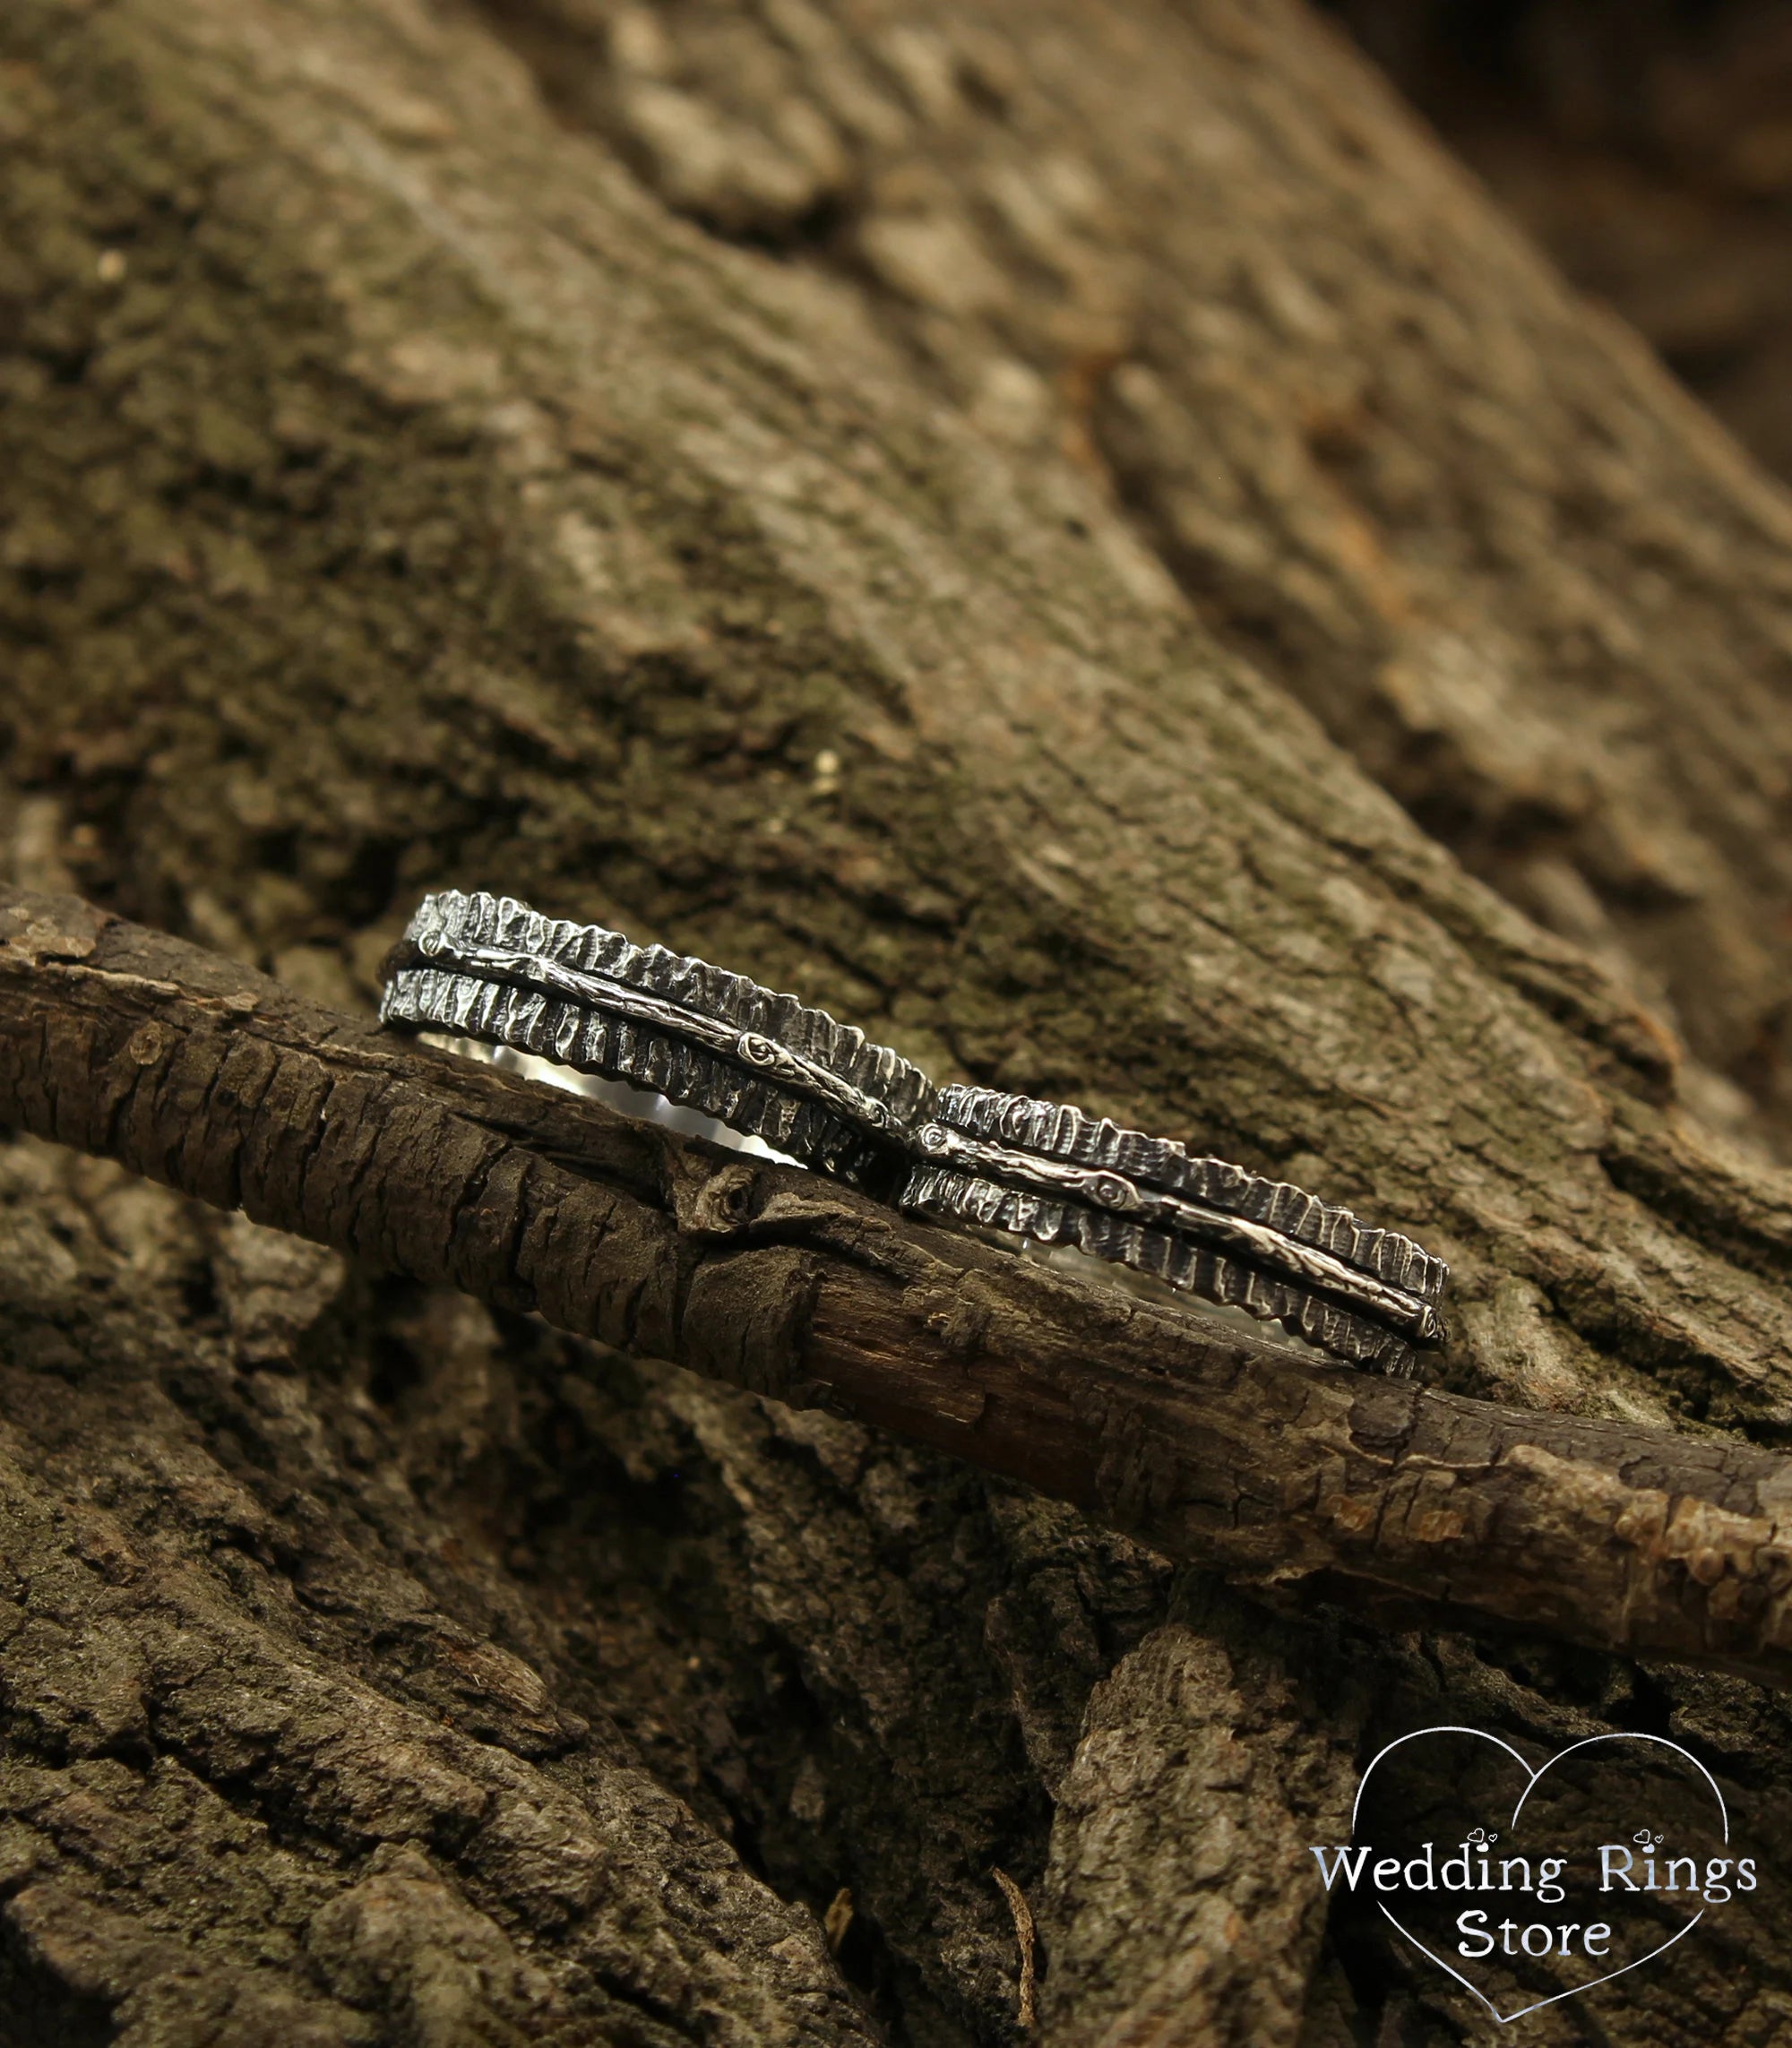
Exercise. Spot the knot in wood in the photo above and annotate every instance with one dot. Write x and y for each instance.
(961, 1322)
(147, 1044)
(723, 1205)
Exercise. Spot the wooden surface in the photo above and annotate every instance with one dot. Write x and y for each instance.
(1167, 1423)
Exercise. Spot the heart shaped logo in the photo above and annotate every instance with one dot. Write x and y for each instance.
(1530, 1885)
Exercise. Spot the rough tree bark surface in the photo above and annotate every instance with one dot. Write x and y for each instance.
(1644, 144)
(1069, 536)
(1215, 1443)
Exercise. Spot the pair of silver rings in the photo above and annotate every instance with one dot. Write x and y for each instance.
(489, 968)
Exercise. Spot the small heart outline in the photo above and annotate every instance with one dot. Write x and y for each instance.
(1587, 1742)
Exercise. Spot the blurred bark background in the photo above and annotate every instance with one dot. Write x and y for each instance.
(1078, 537)
(1648, 147)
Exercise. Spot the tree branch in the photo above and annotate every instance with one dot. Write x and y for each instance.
(1219, 1447)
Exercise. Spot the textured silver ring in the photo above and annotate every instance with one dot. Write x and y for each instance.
(1047, 1171)
(490, 968)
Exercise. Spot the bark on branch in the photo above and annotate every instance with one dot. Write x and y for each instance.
(215, 1081)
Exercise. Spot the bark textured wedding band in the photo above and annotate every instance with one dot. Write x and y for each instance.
(1047, 1171)
(491, 968)
(488, 967)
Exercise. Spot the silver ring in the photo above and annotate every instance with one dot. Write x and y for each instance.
(489, 968)
(1050, 1172)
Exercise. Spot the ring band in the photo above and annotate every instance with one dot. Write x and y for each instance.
(1051, 1172)
(489, 968)
(583, 996)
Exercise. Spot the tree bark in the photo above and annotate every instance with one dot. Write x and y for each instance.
(876, 496)
(1228, 1452)
(1637, 144)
